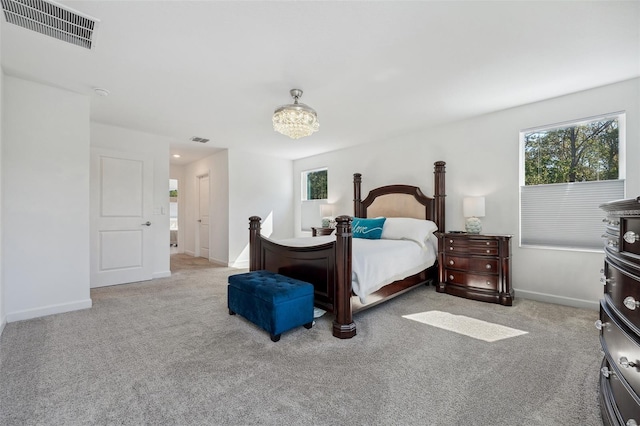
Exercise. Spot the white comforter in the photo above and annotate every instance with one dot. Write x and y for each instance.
(376, 263)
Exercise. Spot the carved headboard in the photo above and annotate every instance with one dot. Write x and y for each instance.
(403, 200)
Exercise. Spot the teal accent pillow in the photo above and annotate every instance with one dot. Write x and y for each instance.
(370, 229)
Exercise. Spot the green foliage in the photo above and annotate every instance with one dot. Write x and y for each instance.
(173, 193)
(585, 152)
(317, 185)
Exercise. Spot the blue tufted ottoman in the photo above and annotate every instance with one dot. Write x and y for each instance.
(271, 301)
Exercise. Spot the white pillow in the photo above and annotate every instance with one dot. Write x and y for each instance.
(406, 228)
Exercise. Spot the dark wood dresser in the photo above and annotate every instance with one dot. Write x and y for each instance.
(475, 266)
(316, 232)
(619, 322)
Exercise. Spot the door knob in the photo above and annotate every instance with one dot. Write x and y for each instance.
(147, 223)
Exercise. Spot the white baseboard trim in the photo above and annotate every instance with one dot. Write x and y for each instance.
(49, 310)
(240, 264)
(190, 253)
(163, 274)
(218, 262)
(558, 300)
(3, 322)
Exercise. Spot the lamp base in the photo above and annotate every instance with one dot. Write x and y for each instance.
(473, 225)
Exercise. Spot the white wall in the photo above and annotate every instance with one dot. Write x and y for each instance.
(216, 166)
(258, 186)
(3, 319)
(125, 140)
(482, 157)
(242, 185)
(45, 205)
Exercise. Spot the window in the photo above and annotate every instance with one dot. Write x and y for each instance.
(314, 184)
(566, 172)
(314, 187)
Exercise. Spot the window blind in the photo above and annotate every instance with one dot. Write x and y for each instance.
(566, 215)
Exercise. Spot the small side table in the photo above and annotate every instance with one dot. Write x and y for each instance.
(476, 267)
(316, 232)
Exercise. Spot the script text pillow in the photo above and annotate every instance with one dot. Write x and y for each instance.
(370, 229)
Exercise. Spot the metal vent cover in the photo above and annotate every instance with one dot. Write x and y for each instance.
(52, 19)
(199, 139)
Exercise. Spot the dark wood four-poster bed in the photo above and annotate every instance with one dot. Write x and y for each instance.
(328, 264)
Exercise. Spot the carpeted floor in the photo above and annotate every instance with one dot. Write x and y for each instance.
(167, 352)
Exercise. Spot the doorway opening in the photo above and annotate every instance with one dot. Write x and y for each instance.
(173, 215)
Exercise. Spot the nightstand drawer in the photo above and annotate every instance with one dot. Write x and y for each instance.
(489, 282)
(471, 264)
(477, 249)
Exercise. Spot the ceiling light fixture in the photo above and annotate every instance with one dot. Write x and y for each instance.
(295, 120)
(176, 155)
(101, 92)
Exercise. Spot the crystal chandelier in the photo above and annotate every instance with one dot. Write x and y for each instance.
(295, 120)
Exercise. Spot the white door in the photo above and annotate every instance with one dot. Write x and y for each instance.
(121, 221)
(203, 216)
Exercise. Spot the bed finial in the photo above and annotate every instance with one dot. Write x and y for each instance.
(440, 193)
(254, 243)
(357, 195)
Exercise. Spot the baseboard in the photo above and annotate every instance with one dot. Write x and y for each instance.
(49, 310)
(218, 262)
(163, 274)
(3, 322)
(558, 300)
(190, 253)
(240, 264)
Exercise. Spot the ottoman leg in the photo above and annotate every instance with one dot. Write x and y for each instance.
(308, 325)
(275, 337)
(231, 312)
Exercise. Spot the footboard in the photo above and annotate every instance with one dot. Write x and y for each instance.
(326, 266)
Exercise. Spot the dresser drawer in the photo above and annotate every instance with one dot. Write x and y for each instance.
(630, 233)
(471, 264)
(489, 282)
(623, 289)
(620, 347)
(625, 403)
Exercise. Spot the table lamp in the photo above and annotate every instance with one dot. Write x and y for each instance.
(472, 209)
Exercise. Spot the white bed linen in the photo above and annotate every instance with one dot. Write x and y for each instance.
(376, 263)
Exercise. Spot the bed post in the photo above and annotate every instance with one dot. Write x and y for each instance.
(440, 193)
(357, 195)
(343, 325)
(254, 243)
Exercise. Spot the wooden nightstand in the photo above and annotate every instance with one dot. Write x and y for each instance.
(321, 231)
(475, 266)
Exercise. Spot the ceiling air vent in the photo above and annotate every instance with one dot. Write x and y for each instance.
(52, 19)
(198, 139)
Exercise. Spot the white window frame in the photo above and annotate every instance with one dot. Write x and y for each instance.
(579, 219)
(310, 215)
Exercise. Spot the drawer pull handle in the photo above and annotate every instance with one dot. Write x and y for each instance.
(488, 251)
(631, 237)
(450, 241)
(631, 422)
(606, 372)
(451, 262)
(450, 248)
(488, 266)
(625, 363)
(631, 303)
(599, 325)
(605, 281)
(451, 277)
(488, 243)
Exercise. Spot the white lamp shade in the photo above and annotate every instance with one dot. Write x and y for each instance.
(473, 207)
(326, 210)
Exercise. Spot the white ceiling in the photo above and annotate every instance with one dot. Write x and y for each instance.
(371, 69)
